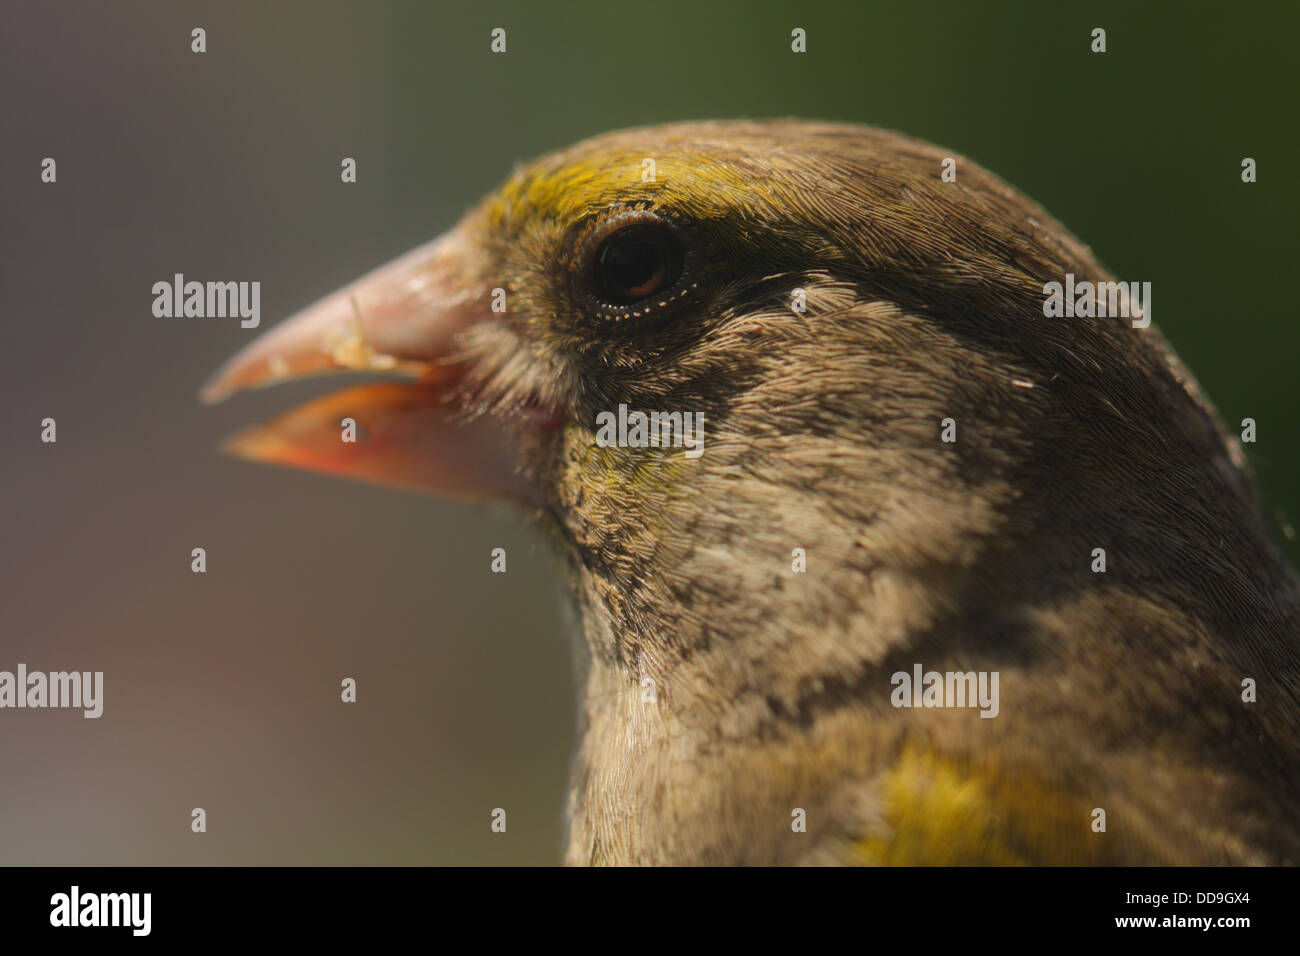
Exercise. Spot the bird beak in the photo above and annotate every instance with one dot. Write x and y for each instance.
(403, 318)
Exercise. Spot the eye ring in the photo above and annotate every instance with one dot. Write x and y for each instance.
(635, 259)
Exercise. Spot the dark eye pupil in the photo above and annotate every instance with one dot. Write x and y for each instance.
(635, 263)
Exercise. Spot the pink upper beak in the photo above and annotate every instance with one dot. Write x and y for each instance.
(403, 316)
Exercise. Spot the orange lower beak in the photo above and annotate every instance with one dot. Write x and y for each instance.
(404, 317)
(391, 433)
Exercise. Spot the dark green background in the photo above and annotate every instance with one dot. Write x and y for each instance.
(222, 688)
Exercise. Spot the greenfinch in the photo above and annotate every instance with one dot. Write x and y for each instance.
(795, 405)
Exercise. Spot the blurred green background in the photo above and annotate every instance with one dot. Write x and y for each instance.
(222, 688)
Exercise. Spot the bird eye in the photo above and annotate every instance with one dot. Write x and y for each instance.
(636, 262)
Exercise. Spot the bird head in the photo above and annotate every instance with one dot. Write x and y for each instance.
(826, 302)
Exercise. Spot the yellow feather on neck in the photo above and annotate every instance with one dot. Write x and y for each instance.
(942, 813)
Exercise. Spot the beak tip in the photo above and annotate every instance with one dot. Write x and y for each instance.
(219, 386)
(247, 444)
(230, 447)
(211, 394)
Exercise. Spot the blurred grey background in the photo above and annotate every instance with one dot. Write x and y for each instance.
(222, 688)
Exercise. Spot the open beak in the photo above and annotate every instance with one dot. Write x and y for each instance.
(404, 318)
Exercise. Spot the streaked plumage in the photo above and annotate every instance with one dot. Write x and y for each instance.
(722, 689)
